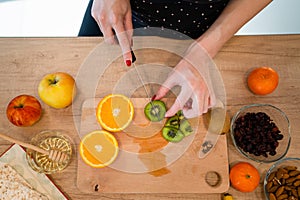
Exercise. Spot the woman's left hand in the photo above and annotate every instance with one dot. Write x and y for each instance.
(193, 76)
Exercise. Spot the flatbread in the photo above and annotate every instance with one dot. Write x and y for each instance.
(14, 187)
(8, 173)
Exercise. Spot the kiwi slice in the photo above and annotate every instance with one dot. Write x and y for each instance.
(172, 134)
(176, 128)
(155, 110)
(185, 127)
(173, 122)
(180, 115)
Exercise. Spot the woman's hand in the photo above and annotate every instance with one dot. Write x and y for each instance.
(114, 19)
(195, 73)
(192, 74)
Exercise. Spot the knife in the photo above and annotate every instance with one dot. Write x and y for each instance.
(139, 75)
(141, 81)
(218, 123)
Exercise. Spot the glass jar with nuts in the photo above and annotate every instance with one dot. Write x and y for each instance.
(282, 180)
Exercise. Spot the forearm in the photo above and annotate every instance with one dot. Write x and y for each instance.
(233, 17)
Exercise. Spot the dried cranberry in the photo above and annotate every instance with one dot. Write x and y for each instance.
(257, 134)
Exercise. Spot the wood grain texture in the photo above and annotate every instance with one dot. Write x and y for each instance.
(150, 159)
(23, 62)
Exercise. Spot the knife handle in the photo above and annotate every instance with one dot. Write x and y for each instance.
(133, 57)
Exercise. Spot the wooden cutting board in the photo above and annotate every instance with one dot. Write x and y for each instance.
(146, 163)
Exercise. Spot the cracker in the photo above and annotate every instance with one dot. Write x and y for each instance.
(14, 186)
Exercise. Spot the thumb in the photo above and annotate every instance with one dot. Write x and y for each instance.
(125, 44)
(127, 58)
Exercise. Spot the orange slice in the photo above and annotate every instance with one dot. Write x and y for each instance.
(98, 148)
(115, 112)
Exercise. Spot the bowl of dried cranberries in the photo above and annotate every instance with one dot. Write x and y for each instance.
(261, 132)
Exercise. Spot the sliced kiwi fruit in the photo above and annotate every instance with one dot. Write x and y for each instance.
(155, 110)
(176, 128)
(185, 127)
(180, 115)
(173, 122)
(172, 134)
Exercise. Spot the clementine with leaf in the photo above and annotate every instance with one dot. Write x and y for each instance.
(262, 80)
(115, 112)
(244, 177)
(98, 148)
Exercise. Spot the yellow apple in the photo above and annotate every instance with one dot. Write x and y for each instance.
(57, 89)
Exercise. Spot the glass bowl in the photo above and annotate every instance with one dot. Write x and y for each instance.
(281, 174)
(261, 132)
(49, 140)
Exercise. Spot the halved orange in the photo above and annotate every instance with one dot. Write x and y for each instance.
(98, 148)
(115, 112)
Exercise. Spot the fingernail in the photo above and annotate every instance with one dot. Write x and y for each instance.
(153, 98)
(128, 63)
(167, 115)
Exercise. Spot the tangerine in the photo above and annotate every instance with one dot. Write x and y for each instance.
(244, 177)
(115, 112)
(98, 148)
(263, 80)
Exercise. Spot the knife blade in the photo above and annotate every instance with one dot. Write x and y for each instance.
(142, 82)
(218, 123)
(139, 75)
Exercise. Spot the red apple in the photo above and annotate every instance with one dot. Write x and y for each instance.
(24, 110)
(57, 89)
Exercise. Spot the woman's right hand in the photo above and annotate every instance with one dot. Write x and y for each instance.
(114, 19)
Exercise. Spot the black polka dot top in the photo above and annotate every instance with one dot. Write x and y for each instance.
(190, 17)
